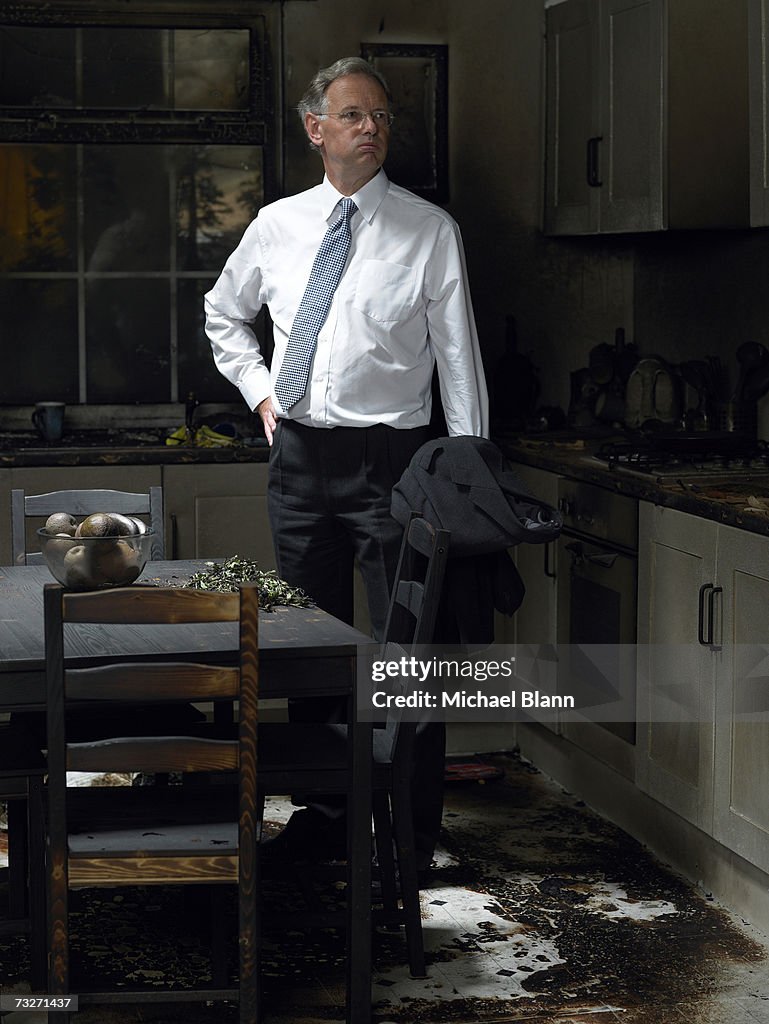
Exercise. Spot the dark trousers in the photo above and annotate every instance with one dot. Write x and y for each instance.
(329, 503)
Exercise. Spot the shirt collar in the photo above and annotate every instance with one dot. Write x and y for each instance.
(367, 199)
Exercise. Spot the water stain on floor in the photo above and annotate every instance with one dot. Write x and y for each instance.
(538, 910)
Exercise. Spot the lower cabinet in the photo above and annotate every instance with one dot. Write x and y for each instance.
(741, 808)
(215, 511)
(703, 734)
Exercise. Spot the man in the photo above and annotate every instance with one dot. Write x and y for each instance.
(358, 331)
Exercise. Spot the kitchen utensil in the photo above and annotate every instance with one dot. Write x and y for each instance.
(601, 363)
(750, 355)
(756, 383)
(695, 373)
(652, 394)
(48, 417)
(610, 405)
(625, 356)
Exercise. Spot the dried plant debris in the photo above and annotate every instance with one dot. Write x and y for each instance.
(225, 576)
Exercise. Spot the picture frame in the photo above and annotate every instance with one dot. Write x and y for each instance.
(417, 75)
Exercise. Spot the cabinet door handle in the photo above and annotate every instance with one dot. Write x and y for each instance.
(548, 571)
(712, 616)
(593, 178)
(701, 636)
(707, 597)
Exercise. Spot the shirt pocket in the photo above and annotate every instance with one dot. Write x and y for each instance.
(386, 291)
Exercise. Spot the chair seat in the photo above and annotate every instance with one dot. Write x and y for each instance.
(169, 841)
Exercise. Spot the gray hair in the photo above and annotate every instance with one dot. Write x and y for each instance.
(315, 101)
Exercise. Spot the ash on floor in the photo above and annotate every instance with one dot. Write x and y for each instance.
(539, 911)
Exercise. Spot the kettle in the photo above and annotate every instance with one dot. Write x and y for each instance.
(652, 393)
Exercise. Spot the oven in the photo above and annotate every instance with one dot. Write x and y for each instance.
(597, 573)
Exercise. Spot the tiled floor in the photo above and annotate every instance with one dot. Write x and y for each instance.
(539, 911)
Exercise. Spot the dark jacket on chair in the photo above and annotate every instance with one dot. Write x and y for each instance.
(466, 485)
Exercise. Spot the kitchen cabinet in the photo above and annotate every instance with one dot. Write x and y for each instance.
(675, 672)
(214, 511)
(646, 116)
(59, 478)
(703, 656)
(758, 37)
(741, 809)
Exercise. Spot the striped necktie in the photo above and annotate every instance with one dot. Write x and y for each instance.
(330, 260)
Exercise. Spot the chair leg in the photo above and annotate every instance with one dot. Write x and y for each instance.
(403, 825)
(249, 938)
(58, 930)
(36, 896)
(18, 858)
(384, 851)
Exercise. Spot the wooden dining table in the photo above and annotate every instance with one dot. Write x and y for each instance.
(302, 652)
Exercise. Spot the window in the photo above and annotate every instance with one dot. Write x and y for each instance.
(132, 157)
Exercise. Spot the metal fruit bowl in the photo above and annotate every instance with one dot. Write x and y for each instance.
(91, 563)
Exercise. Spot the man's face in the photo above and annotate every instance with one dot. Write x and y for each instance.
(351, 155)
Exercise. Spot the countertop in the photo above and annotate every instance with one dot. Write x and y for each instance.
(120, 447)
(743, 502)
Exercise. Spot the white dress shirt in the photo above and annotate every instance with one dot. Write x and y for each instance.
(402, 306)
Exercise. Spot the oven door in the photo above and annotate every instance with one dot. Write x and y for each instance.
(597, 606)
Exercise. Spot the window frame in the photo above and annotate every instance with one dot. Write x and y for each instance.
(258, 125)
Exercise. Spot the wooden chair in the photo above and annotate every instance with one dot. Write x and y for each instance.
(311, 758)
(176, 835)
(82, 503)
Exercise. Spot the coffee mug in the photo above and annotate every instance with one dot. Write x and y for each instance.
(48, 417)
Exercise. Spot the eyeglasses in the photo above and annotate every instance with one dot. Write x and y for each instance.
(355, 118)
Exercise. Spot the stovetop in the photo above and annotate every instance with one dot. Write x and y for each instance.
(672, 456)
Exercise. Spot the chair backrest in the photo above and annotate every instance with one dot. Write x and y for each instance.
(418, 583)
(412, 614)
(82, 503)
(112, 681)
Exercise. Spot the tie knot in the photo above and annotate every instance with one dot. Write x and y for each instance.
(348, 208)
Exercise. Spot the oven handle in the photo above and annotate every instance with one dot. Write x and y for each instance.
(707, 595)
(577, 551)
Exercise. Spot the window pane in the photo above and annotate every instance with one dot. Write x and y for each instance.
(37, 67)
(40, 337)
(220, 191)
(37, 208)
(127, 341)
(126, 208)
(211, 69)
(125, 68)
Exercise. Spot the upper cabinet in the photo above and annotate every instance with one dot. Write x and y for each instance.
(647, 115)
(758, 37)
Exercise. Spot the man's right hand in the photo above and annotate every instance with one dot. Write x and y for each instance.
(269, 420)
